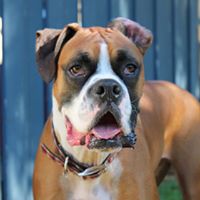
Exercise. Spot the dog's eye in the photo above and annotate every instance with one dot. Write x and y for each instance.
(77, 70)
(130, 69)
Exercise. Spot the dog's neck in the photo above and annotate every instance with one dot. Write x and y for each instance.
(81, 153)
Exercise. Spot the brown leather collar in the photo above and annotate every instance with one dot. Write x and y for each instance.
(68, 162)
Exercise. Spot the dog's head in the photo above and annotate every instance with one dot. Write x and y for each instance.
(98, 79)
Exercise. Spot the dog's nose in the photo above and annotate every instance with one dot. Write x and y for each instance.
(107, 89)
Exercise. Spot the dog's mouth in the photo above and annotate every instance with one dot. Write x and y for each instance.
(106, 126)
(105, 134)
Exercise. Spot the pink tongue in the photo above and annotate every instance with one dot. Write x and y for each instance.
(105, 132)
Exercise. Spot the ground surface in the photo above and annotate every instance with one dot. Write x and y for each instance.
(169, 189)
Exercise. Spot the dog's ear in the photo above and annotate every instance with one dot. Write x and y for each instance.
(49, 43)
(141, 36)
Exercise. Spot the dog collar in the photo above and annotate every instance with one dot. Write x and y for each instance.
(69, 163)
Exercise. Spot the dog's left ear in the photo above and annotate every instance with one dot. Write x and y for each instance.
(49, 43)
(141, 36)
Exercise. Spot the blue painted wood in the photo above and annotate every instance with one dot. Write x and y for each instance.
(144, 14)
(95, 12)
(1, 106)
(23, 96)
(122, 8)
(59, 14)
(164, 45)
(181, 38)
(194, 71)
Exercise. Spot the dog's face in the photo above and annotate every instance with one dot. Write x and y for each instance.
(98, 78)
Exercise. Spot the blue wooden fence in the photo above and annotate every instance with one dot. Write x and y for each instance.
(25, 100)
(1, 106)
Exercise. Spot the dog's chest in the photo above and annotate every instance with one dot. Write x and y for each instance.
(104, 187)
(90, 192)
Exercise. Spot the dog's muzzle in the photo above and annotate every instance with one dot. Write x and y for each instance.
(106, 131)
(109, 127)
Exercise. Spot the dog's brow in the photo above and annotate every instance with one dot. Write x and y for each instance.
(82, 57)
(123, 54)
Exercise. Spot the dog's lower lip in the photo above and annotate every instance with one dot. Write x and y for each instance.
(119, 141)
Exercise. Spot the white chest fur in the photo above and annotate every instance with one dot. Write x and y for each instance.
(104, 187)
(90, 191)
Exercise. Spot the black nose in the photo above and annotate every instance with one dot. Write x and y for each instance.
(107, 89)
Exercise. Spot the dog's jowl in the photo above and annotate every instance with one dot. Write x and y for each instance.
(109, 129)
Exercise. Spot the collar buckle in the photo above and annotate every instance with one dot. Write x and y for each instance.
(66, 166)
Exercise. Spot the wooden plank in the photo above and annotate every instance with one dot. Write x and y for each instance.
(95, 12)
(181, 38)
(194, 72)
(164, 46)
(122, 8)
(23, 96)
(1, 101)
(59, 13)
(144, 14)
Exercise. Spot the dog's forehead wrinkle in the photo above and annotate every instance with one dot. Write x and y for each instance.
(86, 35)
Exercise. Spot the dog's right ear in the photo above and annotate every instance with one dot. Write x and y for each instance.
(49, 43)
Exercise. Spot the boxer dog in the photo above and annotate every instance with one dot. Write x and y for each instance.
(101, 105)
